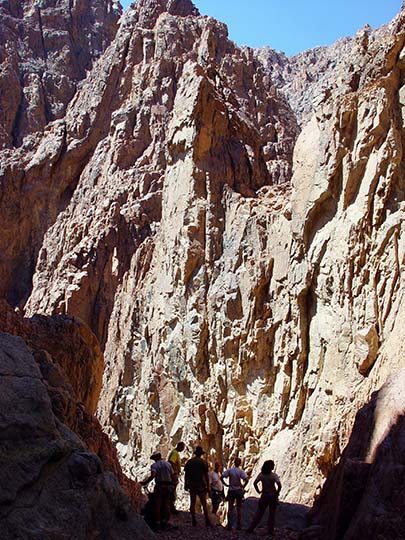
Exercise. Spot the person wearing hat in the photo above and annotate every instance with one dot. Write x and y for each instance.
(197, 483)
(162, 472)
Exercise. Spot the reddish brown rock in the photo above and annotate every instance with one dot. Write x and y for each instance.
(70, 344)
(71, 364)
(45, 51)
(52, 485)
(236, 306)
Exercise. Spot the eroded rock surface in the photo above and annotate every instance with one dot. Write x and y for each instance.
(52, 485)
(370, 475)
(237, 306)
(72, 365)
(46, 48)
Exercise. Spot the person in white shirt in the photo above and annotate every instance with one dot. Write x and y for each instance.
(237, 483)
(269, 492)
(162, 472)
(216, 487)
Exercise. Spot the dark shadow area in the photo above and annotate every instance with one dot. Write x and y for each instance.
(288, 516)
(363, 496)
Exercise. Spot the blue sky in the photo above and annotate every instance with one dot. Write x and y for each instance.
(296, 25)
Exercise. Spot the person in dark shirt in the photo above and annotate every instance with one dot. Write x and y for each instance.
(269, 493)
(197, 483)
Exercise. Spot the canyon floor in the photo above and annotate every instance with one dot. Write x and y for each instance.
(181, 528)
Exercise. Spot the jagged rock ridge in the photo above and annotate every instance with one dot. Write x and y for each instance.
(45, 49)
(235, 306)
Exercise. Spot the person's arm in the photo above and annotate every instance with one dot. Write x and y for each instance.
(149, 479)
(207, 481)
(256, 484)
(225, 475)
(172, 473)
(245, 481)
(186, 474)
(210, 480)
(278, 484)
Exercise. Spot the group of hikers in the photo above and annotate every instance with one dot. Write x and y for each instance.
(202, 483)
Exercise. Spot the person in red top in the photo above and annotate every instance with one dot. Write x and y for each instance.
(269, 493)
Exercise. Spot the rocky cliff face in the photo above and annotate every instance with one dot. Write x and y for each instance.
(369, 475)
(46, 48)
(245, 298)
(52, 485)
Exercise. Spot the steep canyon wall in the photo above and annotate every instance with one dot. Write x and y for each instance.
(244, 276)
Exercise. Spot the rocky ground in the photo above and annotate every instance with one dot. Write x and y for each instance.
(182, 528)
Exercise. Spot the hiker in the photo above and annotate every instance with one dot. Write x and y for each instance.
(237, 482)
(175, 460)
(197, 483)
(271, 487)
(162, 472)
(216, 487)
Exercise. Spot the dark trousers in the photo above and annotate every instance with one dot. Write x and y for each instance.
(202, 495)
(266, 501)
(216, 498)
(162, 498)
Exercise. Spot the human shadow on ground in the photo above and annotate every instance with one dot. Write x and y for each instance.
(288, 515)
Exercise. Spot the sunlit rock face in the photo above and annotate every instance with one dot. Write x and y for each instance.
(247, 297)
(46, 48)
(184, 141)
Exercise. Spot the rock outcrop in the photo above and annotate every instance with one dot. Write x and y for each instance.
(245, 296)
(52, 485)
(370, 475)
(312, 76)
(46, 49)
(71, 364)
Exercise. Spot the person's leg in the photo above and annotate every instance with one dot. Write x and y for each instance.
(203, 498)
(173, 495)
(158, 505)
(215, 499)
(193, 497)
(261, 508)
(239, 502)
(165, 507)
(231, 501)
(272, 517)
